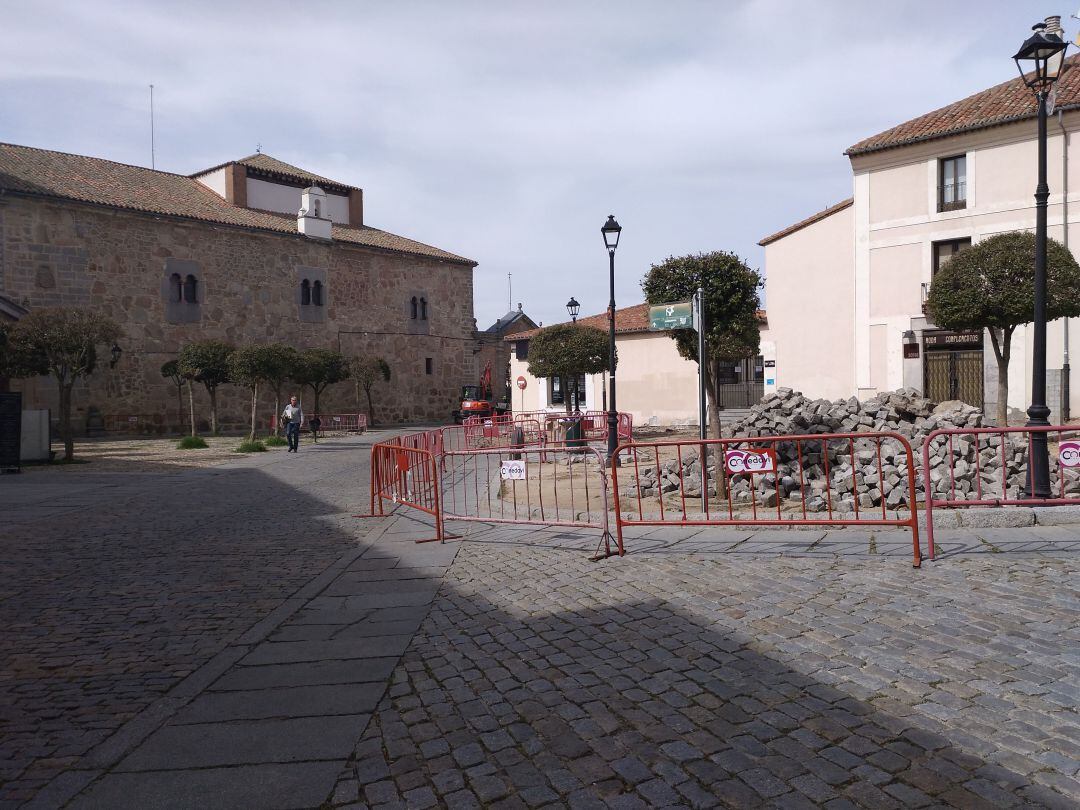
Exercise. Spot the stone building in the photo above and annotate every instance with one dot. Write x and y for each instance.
(251, 251)
(494, 352)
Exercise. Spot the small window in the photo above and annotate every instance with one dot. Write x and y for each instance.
(305, 292)
(191, 290)
(316, 294)
(423, 309)
(176, 288)
(413, 304)
(428, 365)
(943, 251)
(952, 183)
(521, 350)
(556, 390)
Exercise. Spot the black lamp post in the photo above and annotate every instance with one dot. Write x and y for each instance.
(573, 307)
(1043, 54)
(115, 351)
(611, 231)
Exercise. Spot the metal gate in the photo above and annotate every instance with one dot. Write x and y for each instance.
(954, 375)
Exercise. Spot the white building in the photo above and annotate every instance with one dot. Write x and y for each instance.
(844, 285)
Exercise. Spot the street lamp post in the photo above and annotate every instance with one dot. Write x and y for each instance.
(573, 307)
(1042, 53)
(611, 231)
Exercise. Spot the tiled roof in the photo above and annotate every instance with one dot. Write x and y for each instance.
(260, 163)
(41, 172)
(1003, 104)
(627, 320)
(798, 226)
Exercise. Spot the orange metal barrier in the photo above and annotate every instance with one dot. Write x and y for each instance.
(553, 486)
(1001, 468)
(407, 476)
(340, 423)
(819, 479)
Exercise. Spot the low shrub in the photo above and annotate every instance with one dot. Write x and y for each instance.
(276, 441)
(192, 443)
(251, 447)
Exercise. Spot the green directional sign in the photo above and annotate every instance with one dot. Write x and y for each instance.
(679, 315)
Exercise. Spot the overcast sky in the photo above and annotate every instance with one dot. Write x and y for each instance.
(508, 131)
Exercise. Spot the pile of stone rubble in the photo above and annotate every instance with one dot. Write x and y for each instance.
(840, 473)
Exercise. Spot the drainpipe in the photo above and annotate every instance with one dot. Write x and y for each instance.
(1065, 388)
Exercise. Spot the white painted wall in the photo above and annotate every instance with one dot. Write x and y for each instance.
(287, 200)
(215, 181)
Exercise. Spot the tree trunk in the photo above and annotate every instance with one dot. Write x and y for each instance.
(1002, 351)
(180, 405)
(370, 407)
(213, 410)
(277, 410)
(565, 393)
(65, 421)
(254, 401)
(191, 404)
(316, 391)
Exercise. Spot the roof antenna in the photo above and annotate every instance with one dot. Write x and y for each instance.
(152, 163)
(510, 290)
(258, 148)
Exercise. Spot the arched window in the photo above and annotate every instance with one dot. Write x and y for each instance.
(317, 214)
(176, 288)
(423, 309)
(305, 292)
(414, 306)
(316, 294)
(191, 290)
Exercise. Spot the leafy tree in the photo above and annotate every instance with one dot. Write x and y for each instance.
(16, 358)
(206, 361)
(171, 371)
(318, 369)
(279, 365)
(367, 371)
(567, 350)
(63, 342)
(991, 285)
(251, 365)
(731, 304)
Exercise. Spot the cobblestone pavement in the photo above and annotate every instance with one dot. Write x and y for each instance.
(740, 680)
(115, 587)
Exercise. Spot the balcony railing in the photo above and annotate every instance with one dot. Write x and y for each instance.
(952, 197)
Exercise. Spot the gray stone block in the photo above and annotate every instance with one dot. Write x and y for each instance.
(306, 674)
(1003, 517)
(294, 701)
(1056, 515)
(214, 744)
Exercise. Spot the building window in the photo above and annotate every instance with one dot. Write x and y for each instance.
(413, 308)
(557, 396)
(952, 183)
(191, 290)
(423, 309)
(943, 251)
(521, 350)
(316, 294)
(428, 365)
(176, 288)
(305, 292)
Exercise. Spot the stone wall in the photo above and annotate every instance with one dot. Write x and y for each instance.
(66, 254)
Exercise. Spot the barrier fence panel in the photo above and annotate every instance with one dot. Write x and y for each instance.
(407, 476)
(554, 486)
(835, 479)
(974, 467)
(340, 423)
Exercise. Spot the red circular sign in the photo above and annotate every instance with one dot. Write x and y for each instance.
(522, 383)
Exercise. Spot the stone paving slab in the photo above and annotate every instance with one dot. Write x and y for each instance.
(259, 787)
(306, 674)
(322, 700)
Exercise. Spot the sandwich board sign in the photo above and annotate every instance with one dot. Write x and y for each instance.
(679, 315)
(513, 471)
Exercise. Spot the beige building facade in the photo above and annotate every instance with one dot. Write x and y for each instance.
(845, 286)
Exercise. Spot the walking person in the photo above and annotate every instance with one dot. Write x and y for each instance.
(294, 418)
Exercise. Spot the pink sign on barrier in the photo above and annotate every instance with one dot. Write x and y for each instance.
(1069, 454)
(760, 460)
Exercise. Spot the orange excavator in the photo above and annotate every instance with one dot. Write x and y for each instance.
(479, 400)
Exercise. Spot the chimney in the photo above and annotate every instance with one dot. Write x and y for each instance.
(519, 306)
(313, 219)
(236, 184)
(356, 207)
(1053, 26)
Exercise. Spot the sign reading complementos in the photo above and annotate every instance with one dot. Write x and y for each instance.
(1069, 454)
(760, 460)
